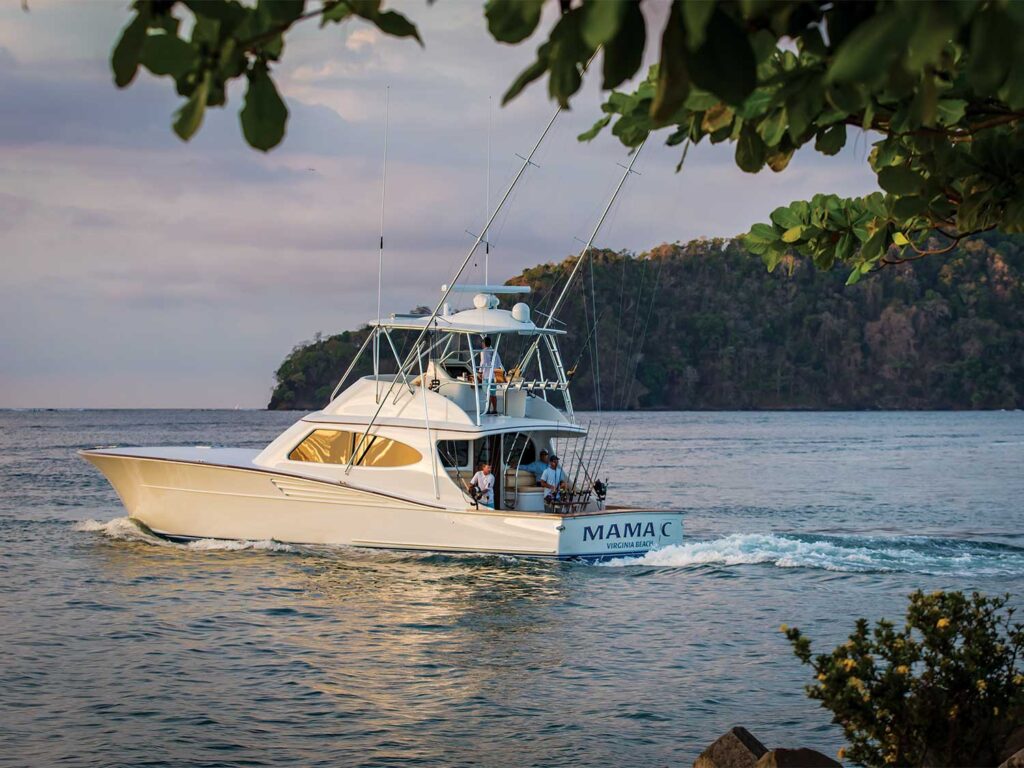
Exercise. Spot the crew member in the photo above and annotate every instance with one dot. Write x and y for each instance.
(553, 480)
(537, 467)
(484, 482)
(490, 361)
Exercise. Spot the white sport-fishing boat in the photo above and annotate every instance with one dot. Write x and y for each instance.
(386, 464)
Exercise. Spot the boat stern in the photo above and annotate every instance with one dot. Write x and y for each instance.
(618, 533)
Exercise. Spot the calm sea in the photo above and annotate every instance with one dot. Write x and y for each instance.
(120, 649)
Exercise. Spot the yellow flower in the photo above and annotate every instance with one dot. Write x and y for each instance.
(995, 711)
(942, 623)
(953, 712)
(841, 754)
(902, 669)
(821, 677)
(784, 628)
(890, 758)
(981, 685)
(856, 682)
(1018, 679)
(849, 664)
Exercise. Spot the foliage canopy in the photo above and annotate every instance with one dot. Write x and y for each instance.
(941, 83)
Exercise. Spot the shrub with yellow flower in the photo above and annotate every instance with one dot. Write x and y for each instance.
(945, 689)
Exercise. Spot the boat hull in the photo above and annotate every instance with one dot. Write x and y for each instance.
(192, 500)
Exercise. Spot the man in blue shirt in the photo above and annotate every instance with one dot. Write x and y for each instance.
(553, 480)
(537, 467)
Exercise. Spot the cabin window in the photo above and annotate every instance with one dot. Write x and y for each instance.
(454, 453)
(333, 446)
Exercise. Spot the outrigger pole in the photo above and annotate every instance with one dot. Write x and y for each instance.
(583, 256)
(527, 162)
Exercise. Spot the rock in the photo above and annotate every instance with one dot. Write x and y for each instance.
(1013, 745)
(1014, 761)
(796, 758)
(736, 749)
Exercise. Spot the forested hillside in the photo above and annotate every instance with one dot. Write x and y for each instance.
(703, 326)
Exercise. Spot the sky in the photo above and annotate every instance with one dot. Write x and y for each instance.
(137, 270)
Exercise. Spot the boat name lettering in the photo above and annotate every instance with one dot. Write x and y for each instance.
(623, 531)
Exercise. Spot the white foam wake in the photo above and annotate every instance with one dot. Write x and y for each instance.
(126, 529)
(854, 554)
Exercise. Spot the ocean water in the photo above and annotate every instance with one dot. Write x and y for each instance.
(119, 648)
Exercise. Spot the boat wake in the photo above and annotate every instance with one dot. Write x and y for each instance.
(126, 529)
(851, 554)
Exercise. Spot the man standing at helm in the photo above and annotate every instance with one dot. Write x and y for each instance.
(490, 361)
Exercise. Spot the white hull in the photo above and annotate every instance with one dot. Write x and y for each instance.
(192, 499)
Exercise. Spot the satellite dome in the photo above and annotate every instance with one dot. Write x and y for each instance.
(521, 312)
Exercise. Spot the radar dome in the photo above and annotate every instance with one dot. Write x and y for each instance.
(521, 312)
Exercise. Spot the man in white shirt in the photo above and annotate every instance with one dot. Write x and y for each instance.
(553, 480)
(484, 482)
(490, 361)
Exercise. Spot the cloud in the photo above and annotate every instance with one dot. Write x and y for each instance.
(141, 270)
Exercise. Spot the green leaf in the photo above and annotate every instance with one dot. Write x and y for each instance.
(264, 115)
(724, 64)
(512, 21)
(595, 129)
(846, 246)
(764, 233)
(934, 28)
(866, 53)
(568, 52)
(282, 12)
(949, 112)
(750, 150)
(773, 127)
(909, 206)
(786, 218)
(831, 140)
(993, 37)
(528, 75)
(168, 55)
(601, 20)
(673, 74)
(190, 116)
(696, 14)
(623, 54)
(874, 248)
(395, 24)
(854, 277)
(900, 180)
(335, 13)
(125, 58)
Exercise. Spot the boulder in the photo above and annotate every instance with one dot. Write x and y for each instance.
(796, 758)
(1014, 761)
(736, 749)
(1013, 745)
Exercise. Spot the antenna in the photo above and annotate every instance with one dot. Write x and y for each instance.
(380, 252)
(487, 199)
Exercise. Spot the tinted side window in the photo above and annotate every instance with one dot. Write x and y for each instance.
(334, 446)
